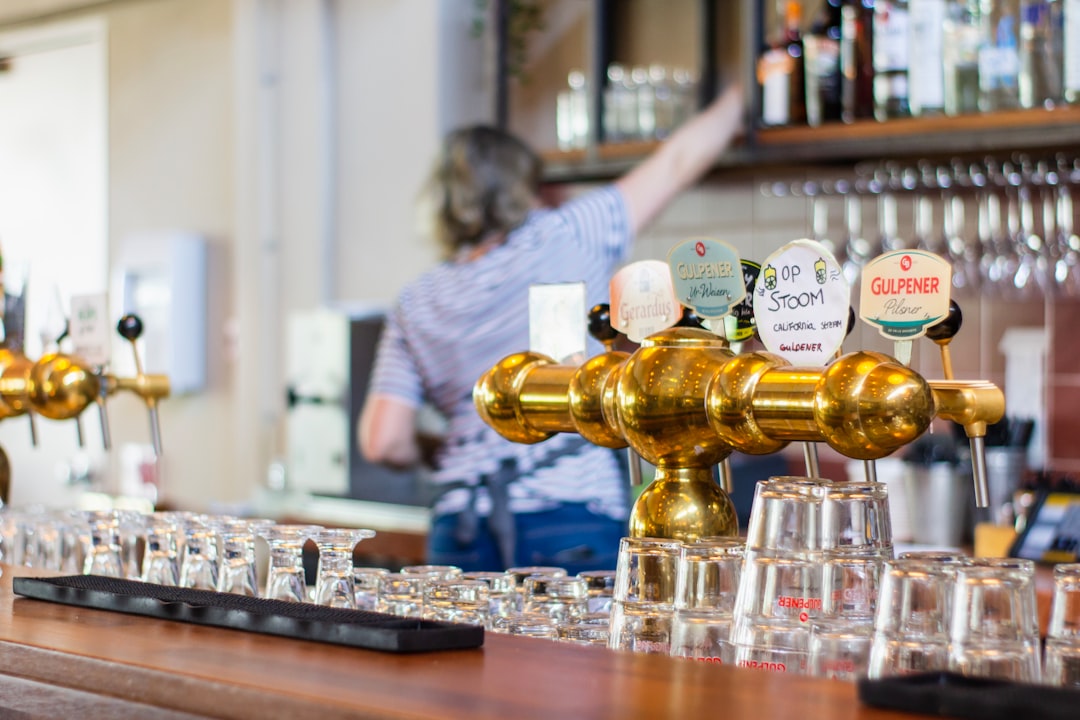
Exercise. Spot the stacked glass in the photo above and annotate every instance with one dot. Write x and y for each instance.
(644, 600)
(994, 624)
(705, 590)
(809, 582)
(1062, 666)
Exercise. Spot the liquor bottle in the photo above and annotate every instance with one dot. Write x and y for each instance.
(823, 85)
(1041, 47)
(781, 74)
(926, 79)
(1071, 51)
(999, 56)
(891, 59)
(961, 39)
(856, 59)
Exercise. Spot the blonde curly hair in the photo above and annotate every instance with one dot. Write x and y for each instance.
(484, 183)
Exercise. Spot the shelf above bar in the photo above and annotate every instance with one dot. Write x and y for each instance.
(1005, 131)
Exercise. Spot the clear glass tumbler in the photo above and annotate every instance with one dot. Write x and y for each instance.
(1062, 666)
(994, 630)
(285, 577)
(334, 583)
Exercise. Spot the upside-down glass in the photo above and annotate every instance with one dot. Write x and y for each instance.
(526, 625)
(402, 594)
(334, 583)
(285, 576)
(456, 600)
(850, 585)
(161, 561)
(994, 630)
(601, 584)
(911, 621)
(786, 515)
(1062, 666)
(708, 582)
(590, 629)
(103, 553)
(366, 581)
(238, 573)
(855, 518)
(645, 577)
(199, 564)
(840, 649)
(436, 572)
(562, 598)
(520, 573)
(776, 644)
(502, 594)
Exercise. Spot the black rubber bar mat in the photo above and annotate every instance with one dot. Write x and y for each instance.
(956, 696)
(304, 621)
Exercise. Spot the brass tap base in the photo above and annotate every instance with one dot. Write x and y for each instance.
(683, 504)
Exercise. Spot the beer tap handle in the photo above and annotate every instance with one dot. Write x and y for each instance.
(942, 334)
(600, 326)
(130, 328)
(601, 329)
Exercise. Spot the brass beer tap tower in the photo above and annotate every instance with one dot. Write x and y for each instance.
(60, 386)
(684, 402)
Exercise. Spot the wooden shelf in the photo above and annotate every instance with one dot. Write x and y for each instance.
(998, 132)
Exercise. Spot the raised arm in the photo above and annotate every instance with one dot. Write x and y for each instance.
(683, 158)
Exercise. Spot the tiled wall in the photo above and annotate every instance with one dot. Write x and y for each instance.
(739, 212)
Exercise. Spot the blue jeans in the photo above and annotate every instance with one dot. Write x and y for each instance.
(570, 537)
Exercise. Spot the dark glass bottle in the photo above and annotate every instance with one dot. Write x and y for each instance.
(781, 74)
(824, 100)
(857, 59)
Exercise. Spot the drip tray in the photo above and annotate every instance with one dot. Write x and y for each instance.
(303, 621)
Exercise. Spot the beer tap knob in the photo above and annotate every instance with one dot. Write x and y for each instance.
(942, 334)
(600, 327)
(130, 328)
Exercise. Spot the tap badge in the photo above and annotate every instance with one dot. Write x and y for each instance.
(802, 303)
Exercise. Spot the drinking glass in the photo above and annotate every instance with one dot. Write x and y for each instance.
(855, 517)
(562, 598)
(850, 582)
(456, 600)
(994, 630)
(1062, 665)
(527, 625)
(161, 559)
(644, 598)
(285, 577)
(601, 584)
(366, 581)
(103, 553)
(911, 621)
(238, 573)
(840, 649)
(502, 593)
(520, 573)
(436, 572)
(705, 591)
(772, 644)
(780, 587)
(786, 515)
(590, 629)
(402, 594)
(199, 564)
(334, 584)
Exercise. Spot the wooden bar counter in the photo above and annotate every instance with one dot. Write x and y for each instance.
(203, 671)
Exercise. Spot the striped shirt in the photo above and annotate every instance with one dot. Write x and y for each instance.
(454, 322)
